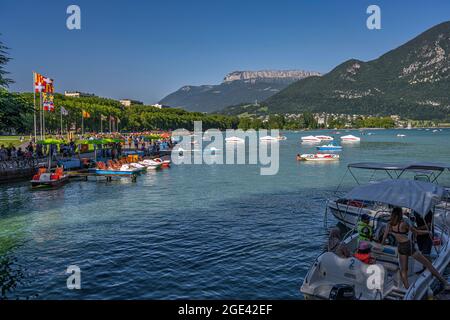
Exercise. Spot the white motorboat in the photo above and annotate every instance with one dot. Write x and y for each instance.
(268, 139)
(350, 138)
(319, 157)
(150, 164)
(311, 139)
(381, 280)
(234, 140)
(347, 211)
(325, 138)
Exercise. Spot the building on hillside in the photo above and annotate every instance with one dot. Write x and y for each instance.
(130, 102)
(77, 94)
(160, 106)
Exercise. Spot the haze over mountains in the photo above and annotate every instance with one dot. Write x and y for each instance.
(237, 87)
(412, 81)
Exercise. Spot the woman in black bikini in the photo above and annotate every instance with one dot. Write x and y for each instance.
(400, 230)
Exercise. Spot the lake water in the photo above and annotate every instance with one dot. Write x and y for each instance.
(198, 231)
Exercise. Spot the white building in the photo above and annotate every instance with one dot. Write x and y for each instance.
(77, 94)
(129, 102)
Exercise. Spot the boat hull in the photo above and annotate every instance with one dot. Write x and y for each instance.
(51, 184)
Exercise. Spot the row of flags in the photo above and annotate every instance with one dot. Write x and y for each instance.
(45, 86)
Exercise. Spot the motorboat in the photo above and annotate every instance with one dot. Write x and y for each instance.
(319, 157)
(325, 138)
(234, 140)
(164, 163)
(329, 147)
(401, 135)
(350, 138)
(381, 280)
(151, 164)
(311, 139)
(281, 138)
(347, 210)
(47, 179)
(268, 139)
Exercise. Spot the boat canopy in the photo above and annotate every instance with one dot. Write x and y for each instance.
(416, 195)
(436, 166)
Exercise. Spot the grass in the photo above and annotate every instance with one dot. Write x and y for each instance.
(7, 140)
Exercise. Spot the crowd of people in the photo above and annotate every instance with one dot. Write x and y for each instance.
(135, 141)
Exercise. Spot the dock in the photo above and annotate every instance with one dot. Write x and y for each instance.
(85, 175)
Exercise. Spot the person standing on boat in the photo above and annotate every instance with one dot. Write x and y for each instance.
(402, 232)
(365, 230)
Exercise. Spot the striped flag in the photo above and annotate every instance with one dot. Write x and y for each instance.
(43, 84)
(86, 114)
(64, 112)
(48, 102)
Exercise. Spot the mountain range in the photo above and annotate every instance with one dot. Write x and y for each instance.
(237, 87)
(412, 81)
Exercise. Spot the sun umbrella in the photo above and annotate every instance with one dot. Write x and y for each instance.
(49, 141)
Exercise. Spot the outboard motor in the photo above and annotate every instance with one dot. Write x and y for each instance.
(342, 292)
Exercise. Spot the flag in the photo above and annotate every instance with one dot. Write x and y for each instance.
(48, 102)
(64, 112)
(43, 84)
(39, 84)
(118, 120)
(103, 118)
(49, 85)
(86, 114)
(111, 118)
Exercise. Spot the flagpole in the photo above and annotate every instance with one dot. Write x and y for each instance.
(82, 123)
(40, 116)
(110, 124)
(101, 124)
(43, 121)
(61, 123)
(34, 104)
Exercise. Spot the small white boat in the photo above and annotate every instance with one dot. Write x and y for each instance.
(234, 140)
(350, 138)
(325, 138)
(401, 135)
(319, 157)
(214, 149)
(281, 138)
(311, 139)
(150, 164)
(268, 139)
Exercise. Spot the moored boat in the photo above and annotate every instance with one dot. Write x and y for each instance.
(329, 147)
(268, 139)
(44, 179)
(347, 211)
(350, 138)
(319, 157)
(310, 139)
(331, 273)
(325, 138)
(234, 140)
(164, 163)
(151, 164)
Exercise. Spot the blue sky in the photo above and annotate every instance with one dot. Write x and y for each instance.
(147, 49)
